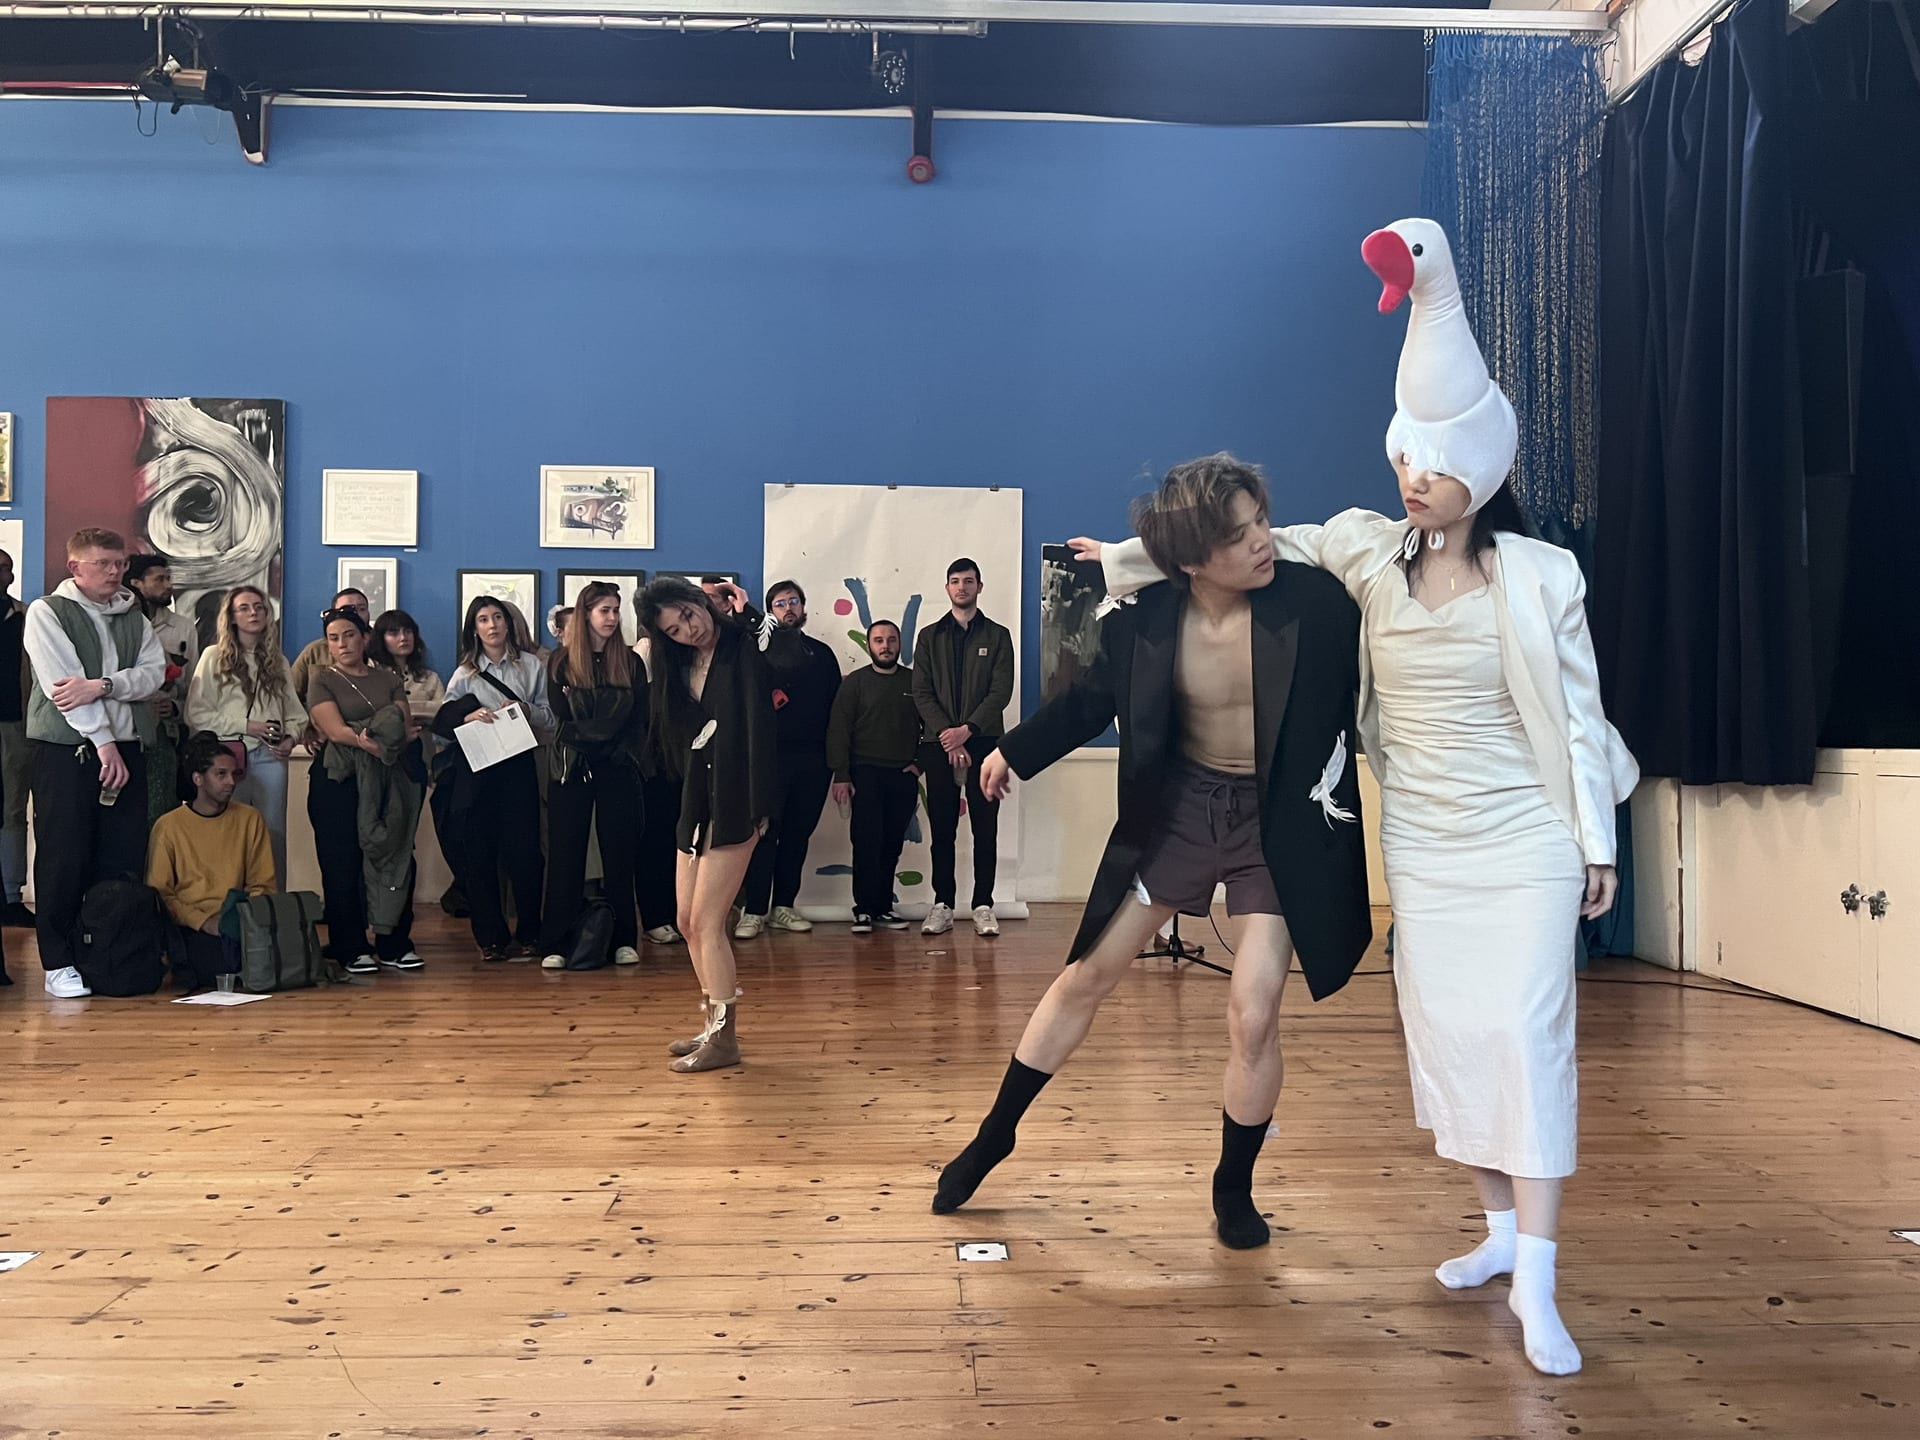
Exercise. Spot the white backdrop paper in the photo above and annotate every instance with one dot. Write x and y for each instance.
(866, 552)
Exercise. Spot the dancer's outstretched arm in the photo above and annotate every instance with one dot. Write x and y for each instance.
(1351, 547)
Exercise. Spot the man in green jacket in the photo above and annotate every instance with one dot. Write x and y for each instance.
(962, 684)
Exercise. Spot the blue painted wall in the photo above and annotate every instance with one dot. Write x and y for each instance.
(1069, 308)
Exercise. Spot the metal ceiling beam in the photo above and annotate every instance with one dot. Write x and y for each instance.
(867, 14)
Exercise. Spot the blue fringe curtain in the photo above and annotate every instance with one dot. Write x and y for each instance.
(1513, 154)
(1513, 172)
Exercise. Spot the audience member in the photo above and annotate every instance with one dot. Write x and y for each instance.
(319, 654)
(492, 815)
(242, 692)
(396, 644)
(806, 677)
(150, 578)
(16, 755)
(95, 658)
(364, 801)
(597, 690)
(962, 682)
(653, 872)
(202, 851)
(873, 737)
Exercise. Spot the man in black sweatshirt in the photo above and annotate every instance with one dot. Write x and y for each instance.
(806, 677)
(872, 741)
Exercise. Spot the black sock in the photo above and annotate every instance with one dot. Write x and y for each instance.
(994, 1142)
(1240, 1223)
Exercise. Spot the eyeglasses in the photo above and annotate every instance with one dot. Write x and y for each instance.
(788, 602)
(327, 617)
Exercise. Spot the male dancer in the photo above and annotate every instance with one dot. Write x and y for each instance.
(1234, 690)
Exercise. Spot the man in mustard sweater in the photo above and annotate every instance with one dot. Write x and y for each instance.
(202, 851)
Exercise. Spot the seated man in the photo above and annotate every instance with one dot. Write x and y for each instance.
(200, 852)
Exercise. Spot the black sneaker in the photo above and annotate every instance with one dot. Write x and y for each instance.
(493, 953)
(362, 965)
(408, 961)
(890, 921)
(17, 917)
(862, 924)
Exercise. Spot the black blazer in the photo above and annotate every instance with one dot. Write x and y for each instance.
(1306, 646)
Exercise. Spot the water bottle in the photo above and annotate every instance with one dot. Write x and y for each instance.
(109, 794)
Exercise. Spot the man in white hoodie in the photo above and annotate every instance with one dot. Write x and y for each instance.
(94, 657)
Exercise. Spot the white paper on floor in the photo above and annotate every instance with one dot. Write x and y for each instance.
(14, 1259)
(1912, 1235)
(220, 997)
(981, 1250)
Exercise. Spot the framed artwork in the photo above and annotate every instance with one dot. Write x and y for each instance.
(370, 507)
(519, 588)
(593, 507)
(572, 582)
(694, 577)
(200, 481)
(6, 462)
(378, 576)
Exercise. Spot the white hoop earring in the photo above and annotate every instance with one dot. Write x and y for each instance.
(1437, 539)
(1412, 547)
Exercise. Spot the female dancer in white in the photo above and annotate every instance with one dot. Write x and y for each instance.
(1499, 774)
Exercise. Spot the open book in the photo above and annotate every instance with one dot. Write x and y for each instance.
(507, 736)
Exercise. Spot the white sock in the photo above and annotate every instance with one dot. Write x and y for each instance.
(1550, 1350)
(1493, 1256)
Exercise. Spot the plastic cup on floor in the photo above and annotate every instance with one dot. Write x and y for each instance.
(226, 983)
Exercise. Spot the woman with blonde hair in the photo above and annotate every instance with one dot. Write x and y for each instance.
(243, 692)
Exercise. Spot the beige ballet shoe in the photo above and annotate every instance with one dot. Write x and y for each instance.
(719, 1046)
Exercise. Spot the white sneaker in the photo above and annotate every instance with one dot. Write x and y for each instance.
(554, 962)
(749, 927)
(66, 984)
(626, 955)
(785, 917)
(939, 920)
(362, 965)
(983, 921)
(664, 935)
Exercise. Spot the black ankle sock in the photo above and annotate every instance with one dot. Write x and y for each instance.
(1239, 1221)
(994, 1141)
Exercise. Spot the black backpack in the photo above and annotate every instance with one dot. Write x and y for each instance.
(590, 941)
(118, 946)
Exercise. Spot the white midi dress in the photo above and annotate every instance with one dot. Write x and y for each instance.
(1487, 882)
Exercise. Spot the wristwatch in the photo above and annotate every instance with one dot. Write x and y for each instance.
(106, 687)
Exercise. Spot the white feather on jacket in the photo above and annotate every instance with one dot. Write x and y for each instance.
(1545, 649)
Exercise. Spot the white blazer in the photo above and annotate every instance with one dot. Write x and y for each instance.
(1546, 655)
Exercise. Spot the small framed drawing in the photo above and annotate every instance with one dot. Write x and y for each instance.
(694, 577)
(370, 507)
(375, 576)
(6, 458)
(519, 588)
(628, 582)
(592, 507)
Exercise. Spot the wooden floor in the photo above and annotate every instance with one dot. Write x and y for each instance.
(474, 1202)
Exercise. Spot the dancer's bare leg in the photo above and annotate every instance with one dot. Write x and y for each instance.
(704, 887)
(1262, 958)
(1059, 1024)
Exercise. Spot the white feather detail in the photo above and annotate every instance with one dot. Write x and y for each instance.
(767, 626)
(706, 734)
(1322, 792)
(1140, 891)
(1113, 602)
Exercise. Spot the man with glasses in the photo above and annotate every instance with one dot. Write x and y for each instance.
(94, 658)
(806, 677)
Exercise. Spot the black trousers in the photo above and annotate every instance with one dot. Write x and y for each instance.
(197, 957)
(655, 865)
(77, 840)
(615, 801)
(943, 821)
(883, 804)
(779, 861)
(502, 831)
(333, 809)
